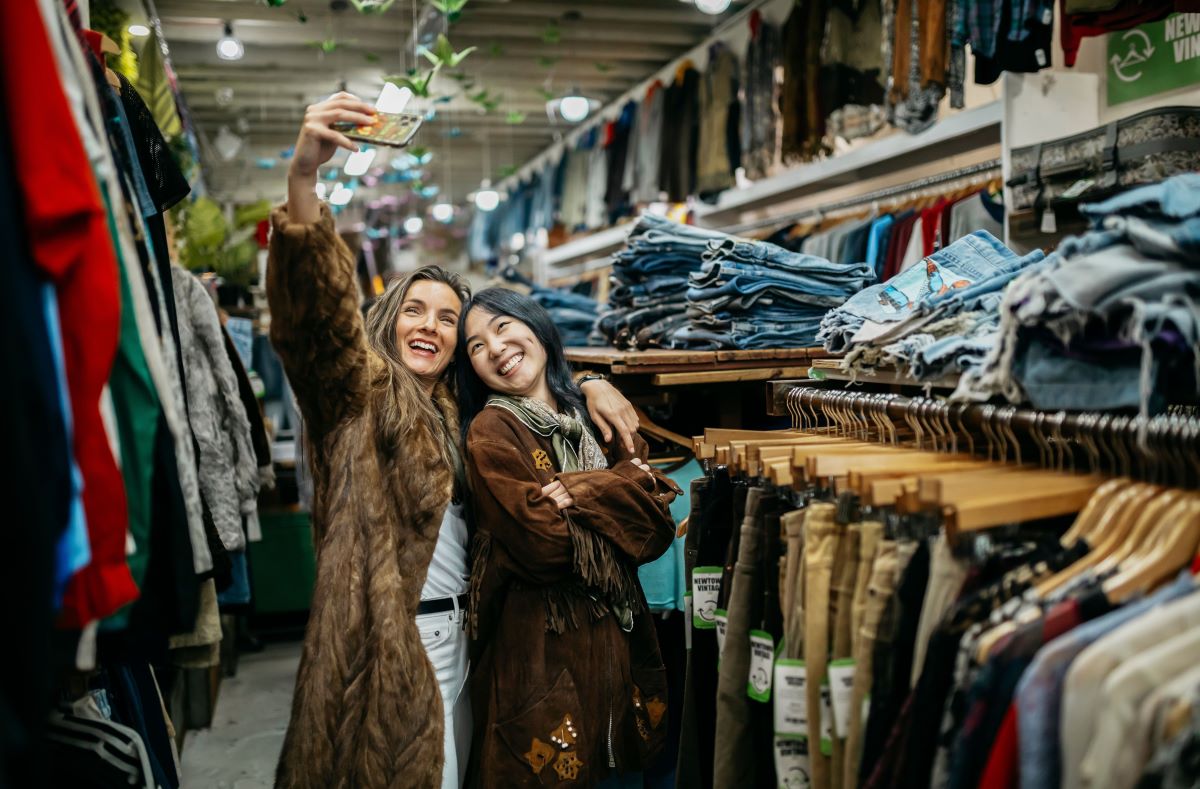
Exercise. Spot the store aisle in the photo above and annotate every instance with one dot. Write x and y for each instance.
(242, 747)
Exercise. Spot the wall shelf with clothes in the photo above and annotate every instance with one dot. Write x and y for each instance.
(891, 565)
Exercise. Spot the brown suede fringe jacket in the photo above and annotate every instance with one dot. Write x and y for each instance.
(367, 710)
(560, 693)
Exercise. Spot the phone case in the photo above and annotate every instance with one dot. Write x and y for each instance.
(396, 130)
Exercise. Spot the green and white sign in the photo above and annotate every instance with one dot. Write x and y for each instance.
(1154, 58)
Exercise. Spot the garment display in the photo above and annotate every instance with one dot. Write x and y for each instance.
(760, 104)
(719, 151)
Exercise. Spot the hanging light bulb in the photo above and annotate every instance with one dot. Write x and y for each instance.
(442, 212)
(229, 47)
(487, 198)
(517, 242)
(573, 109)
(141, 31)
(359, 162)
(413, 225)
(713, 6)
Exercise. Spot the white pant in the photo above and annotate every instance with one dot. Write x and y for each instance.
(446, 644)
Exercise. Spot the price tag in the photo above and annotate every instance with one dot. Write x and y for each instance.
(722, 618)
(791, 763)
(826, 719)
(791, 699)
(687, 621)
(841, 681)
(762, 659)
(706, 587)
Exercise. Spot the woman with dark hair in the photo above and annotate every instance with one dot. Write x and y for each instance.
(568, 685)
(371, 709)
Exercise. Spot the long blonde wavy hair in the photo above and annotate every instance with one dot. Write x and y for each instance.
(412, 404)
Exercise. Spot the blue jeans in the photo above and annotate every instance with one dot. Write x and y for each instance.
(763, 256)
(1177, 197)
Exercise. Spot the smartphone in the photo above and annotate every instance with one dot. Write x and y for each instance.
(394, 129)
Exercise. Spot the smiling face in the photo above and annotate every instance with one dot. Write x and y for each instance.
(506, 355)
(426, 328)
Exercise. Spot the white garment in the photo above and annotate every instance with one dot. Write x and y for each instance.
(1082, 697)
(449, 574)
(914, 253)
(445, 641)
(1112, 762)
(1147, 735)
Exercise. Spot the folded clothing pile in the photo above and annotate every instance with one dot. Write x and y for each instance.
(648, 299)
(1110, 320)
(753, 294)
(573, 313)
(935, 318)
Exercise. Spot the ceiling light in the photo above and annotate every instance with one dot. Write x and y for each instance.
(442, 212)
(320, 190)
(574, 108)
(141, 31)
(713, 6)
(230, 48)
(393, 99)
(359, 162)
(341, 195)
(487, 198)
(517, 242)
(413, 225)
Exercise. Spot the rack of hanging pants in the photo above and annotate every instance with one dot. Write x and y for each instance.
(903, 592)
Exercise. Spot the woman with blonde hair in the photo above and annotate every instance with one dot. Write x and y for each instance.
(379, 699)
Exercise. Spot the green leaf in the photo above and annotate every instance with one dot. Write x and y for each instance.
(547, 62)
(603, 68)
(514, 118)
(326, 46)
(546, 93)
(371, 57)
(419, 153)
(302, 17)
(450, 8)
(551, 34)
(443, 53)
(479, 97)
(418, 84)
(507, 170)
(372, 6)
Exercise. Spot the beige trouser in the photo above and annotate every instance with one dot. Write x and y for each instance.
(946, 576)
(845, 575)
(821, 539)
(884, 575)
(791, 591)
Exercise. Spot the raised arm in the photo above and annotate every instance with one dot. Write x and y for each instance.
(316, 326)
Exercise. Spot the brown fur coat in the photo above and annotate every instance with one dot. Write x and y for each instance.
(367, 710)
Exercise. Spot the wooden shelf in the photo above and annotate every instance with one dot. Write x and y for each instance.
(964, 131)
(758, 365)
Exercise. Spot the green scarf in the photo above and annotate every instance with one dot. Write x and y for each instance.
(565, 432)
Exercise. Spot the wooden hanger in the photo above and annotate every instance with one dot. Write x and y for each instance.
(1179, 538)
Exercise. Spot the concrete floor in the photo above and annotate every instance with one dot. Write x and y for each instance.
(242, 747)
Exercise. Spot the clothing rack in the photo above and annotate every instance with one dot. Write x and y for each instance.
(990, 168)
(1164, 448)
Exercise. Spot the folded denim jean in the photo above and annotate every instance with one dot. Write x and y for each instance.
(968, 262)
(761, 254)
(1177, 197)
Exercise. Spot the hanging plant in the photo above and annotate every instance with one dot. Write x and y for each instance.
(551, 34)
(443, 54)
(514, 118)
(327, 46)
(372, 6)
(451, 9)
(417, 83)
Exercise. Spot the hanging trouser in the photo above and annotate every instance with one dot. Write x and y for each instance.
(733, 760)
(884, 573)
(821, 539)
(946, 576)
(794, 633)
(845, 575)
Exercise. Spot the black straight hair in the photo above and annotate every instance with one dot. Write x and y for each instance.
(473, 394)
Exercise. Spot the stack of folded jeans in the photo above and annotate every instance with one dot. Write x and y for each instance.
(937, 318)
(648, 300)
(1111, 319)
(573, 313)
(753, 294)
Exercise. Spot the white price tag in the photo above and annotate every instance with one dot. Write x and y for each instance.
(706, 587)
(791, 699)
(762, 660)
(791, 763)
(841, 680)
(722, 622)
